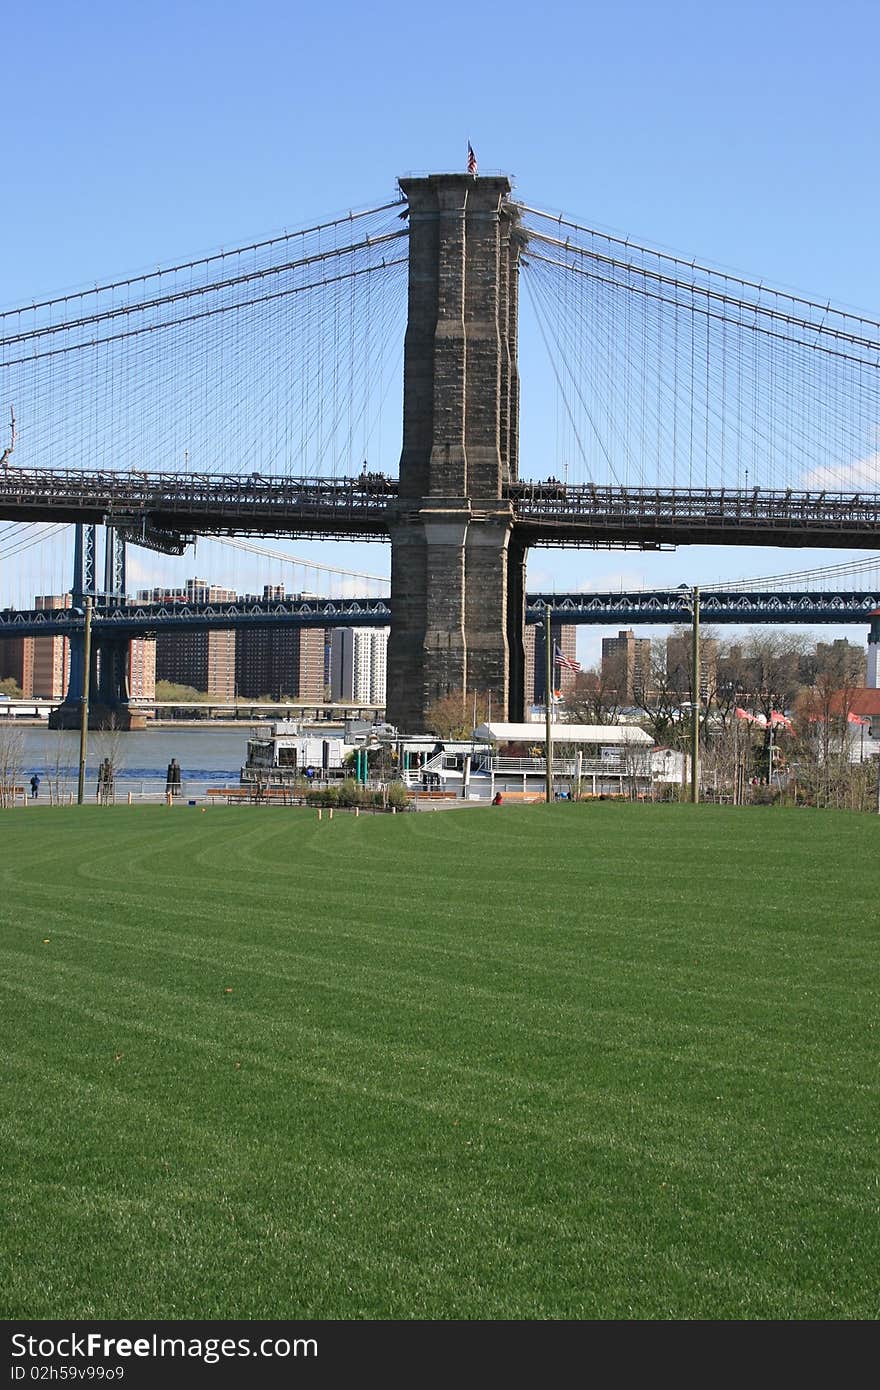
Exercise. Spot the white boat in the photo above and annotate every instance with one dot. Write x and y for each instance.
(293, 750)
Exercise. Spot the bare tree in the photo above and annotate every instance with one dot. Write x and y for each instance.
(772, 669)
(595, 697)
(824, 750)
(455, 716)
(110, 747)
(11, 762)
(60, 771)
(661, 703)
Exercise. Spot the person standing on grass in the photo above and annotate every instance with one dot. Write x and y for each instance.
(105, 783)
(35, 785)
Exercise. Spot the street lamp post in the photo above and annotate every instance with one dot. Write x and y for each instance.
(548, 732)
(84, 708)
(695, 691)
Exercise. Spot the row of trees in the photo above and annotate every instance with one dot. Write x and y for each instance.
(60, 772)
(770, 671)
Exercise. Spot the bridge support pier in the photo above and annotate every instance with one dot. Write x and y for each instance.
(458, 614)
(108, 675)
(456, 568)
(108, 687)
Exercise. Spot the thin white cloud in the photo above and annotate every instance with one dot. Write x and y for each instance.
(864, 475)
(542, 580)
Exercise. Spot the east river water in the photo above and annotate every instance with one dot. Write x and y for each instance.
(208, 758)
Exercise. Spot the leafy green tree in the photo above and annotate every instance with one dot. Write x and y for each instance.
(168, 692)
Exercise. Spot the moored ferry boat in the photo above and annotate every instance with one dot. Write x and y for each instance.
(294, 750)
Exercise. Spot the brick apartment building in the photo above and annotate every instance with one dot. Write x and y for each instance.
(280, 662)
(563, 636)
(626, 666)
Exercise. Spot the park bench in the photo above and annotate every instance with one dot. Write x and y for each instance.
(253, 793)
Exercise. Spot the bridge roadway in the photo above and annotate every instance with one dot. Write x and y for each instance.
(164, 510)
(670, 606)
(229, 711)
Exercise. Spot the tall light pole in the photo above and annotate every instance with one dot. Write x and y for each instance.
(84, 713)
(695, 708)
(548, 692)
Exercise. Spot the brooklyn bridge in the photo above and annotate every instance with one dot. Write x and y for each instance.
(242, 393)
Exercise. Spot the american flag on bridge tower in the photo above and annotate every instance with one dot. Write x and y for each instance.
(472, 159)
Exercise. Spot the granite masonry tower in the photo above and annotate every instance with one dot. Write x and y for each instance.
(457, 570)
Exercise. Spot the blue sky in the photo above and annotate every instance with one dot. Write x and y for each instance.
(745, 135)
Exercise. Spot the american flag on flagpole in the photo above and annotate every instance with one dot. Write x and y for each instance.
(563, 660)
(751, 718)
(777, 718)
(472, 159)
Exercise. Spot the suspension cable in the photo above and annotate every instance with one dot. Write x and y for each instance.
(296, 560)
(142, 306)
(200, 261)
(206, 313)
(693, 266)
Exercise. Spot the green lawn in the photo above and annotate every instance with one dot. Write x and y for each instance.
(571, 1061)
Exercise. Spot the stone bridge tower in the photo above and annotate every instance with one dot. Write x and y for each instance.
(457, 569)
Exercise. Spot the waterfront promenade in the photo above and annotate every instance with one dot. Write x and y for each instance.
(208, 757)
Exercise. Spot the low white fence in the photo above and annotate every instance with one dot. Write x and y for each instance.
(131, 791)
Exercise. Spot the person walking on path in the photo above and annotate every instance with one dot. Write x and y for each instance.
(35, 785)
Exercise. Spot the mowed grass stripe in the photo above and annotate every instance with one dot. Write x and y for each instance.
(226, 1154)
(298, 1043)
(530, 1106)
(553, 1027)
(447, 1082)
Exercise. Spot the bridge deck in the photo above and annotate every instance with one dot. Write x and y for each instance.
(658, 606)
(545, 514)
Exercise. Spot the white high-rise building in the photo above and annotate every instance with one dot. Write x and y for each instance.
(358, 660)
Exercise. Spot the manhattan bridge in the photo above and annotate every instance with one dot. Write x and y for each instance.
(242, 393)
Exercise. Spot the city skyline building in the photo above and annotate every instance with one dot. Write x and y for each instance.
(203, 660)
(358, 664)
(142, 668)
(51, 655)
(626, 666)
(280, 662)
(564, 637)
(679, 663)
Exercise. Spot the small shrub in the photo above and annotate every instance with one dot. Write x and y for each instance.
(396, 797)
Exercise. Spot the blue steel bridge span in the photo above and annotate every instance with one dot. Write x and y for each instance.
(654, 606)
